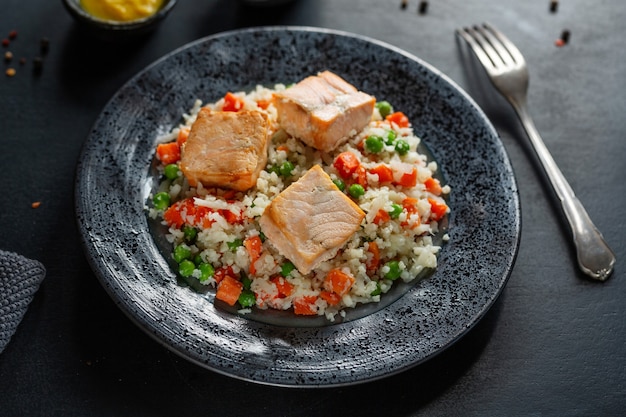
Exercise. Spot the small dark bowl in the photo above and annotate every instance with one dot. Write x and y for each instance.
(112, 30)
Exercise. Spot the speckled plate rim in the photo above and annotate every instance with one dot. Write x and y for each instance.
(112, 185)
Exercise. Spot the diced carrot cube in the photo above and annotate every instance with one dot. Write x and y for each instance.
(437, 209)
(409, 179)
(338, 281)
(229, 290)
(168, 153)
(230, 217)
(284, 287)
(398, 118)
(330, 297)
(173, 216)
(385, 174)
(432, 185)
(253, 245)
(373, 262)
(178, 212)
(232, 103)
(410, 206)
(346, 163)
(264, 104)
(305, 305)
(183, 134)
(360, 176)
(223, 272)
(381, 217)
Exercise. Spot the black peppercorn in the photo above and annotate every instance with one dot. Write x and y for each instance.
(554, 5)
(423, 7)
(44, 45)
(37, 65)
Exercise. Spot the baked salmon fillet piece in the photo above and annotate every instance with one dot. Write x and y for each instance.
(310, 220)
(323, 110)
(226, 149)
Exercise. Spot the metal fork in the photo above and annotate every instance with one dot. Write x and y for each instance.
(506, 68)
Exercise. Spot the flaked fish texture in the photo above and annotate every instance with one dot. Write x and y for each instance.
(310, 220)
(226, 149)
(323, 111)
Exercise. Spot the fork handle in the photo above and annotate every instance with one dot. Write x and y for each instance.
(595, 258)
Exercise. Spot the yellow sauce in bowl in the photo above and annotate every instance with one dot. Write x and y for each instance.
(121, 10)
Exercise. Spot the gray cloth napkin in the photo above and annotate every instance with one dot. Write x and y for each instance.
(20, 278)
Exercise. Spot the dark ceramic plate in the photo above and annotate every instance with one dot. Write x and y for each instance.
(114, 180)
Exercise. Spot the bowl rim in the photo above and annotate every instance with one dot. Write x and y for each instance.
(75, 8)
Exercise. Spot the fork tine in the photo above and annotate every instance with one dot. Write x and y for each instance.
(483, 41)
(492, 38)
(508, 45)
(468, 35)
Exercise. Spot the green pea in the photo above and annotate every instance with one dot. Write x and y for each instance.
(340, 184)
(396, 210)
(356, 190)
(247, 298)
(384, 108)
(402, 147)
(246, 281)
(374, 144)
(234, 244)
(286, 269)
(274, 168)
(394, 270)
(286, 168)
(182, 252)
(198, 259)
(161, 200)
(377, 291)
(391, 137)
(190, 233)
(171, 171)
(206, 271)
(186, 268)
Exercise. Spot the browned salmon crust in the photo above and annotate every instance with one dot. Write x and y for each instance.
(226, 149)
(310, 220)
(323, 111)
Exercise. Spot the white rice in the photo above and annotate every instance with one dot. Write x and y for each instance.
(413, 248)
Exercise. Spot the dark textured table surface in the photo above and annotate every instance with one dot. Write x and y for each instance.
(553, 344)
